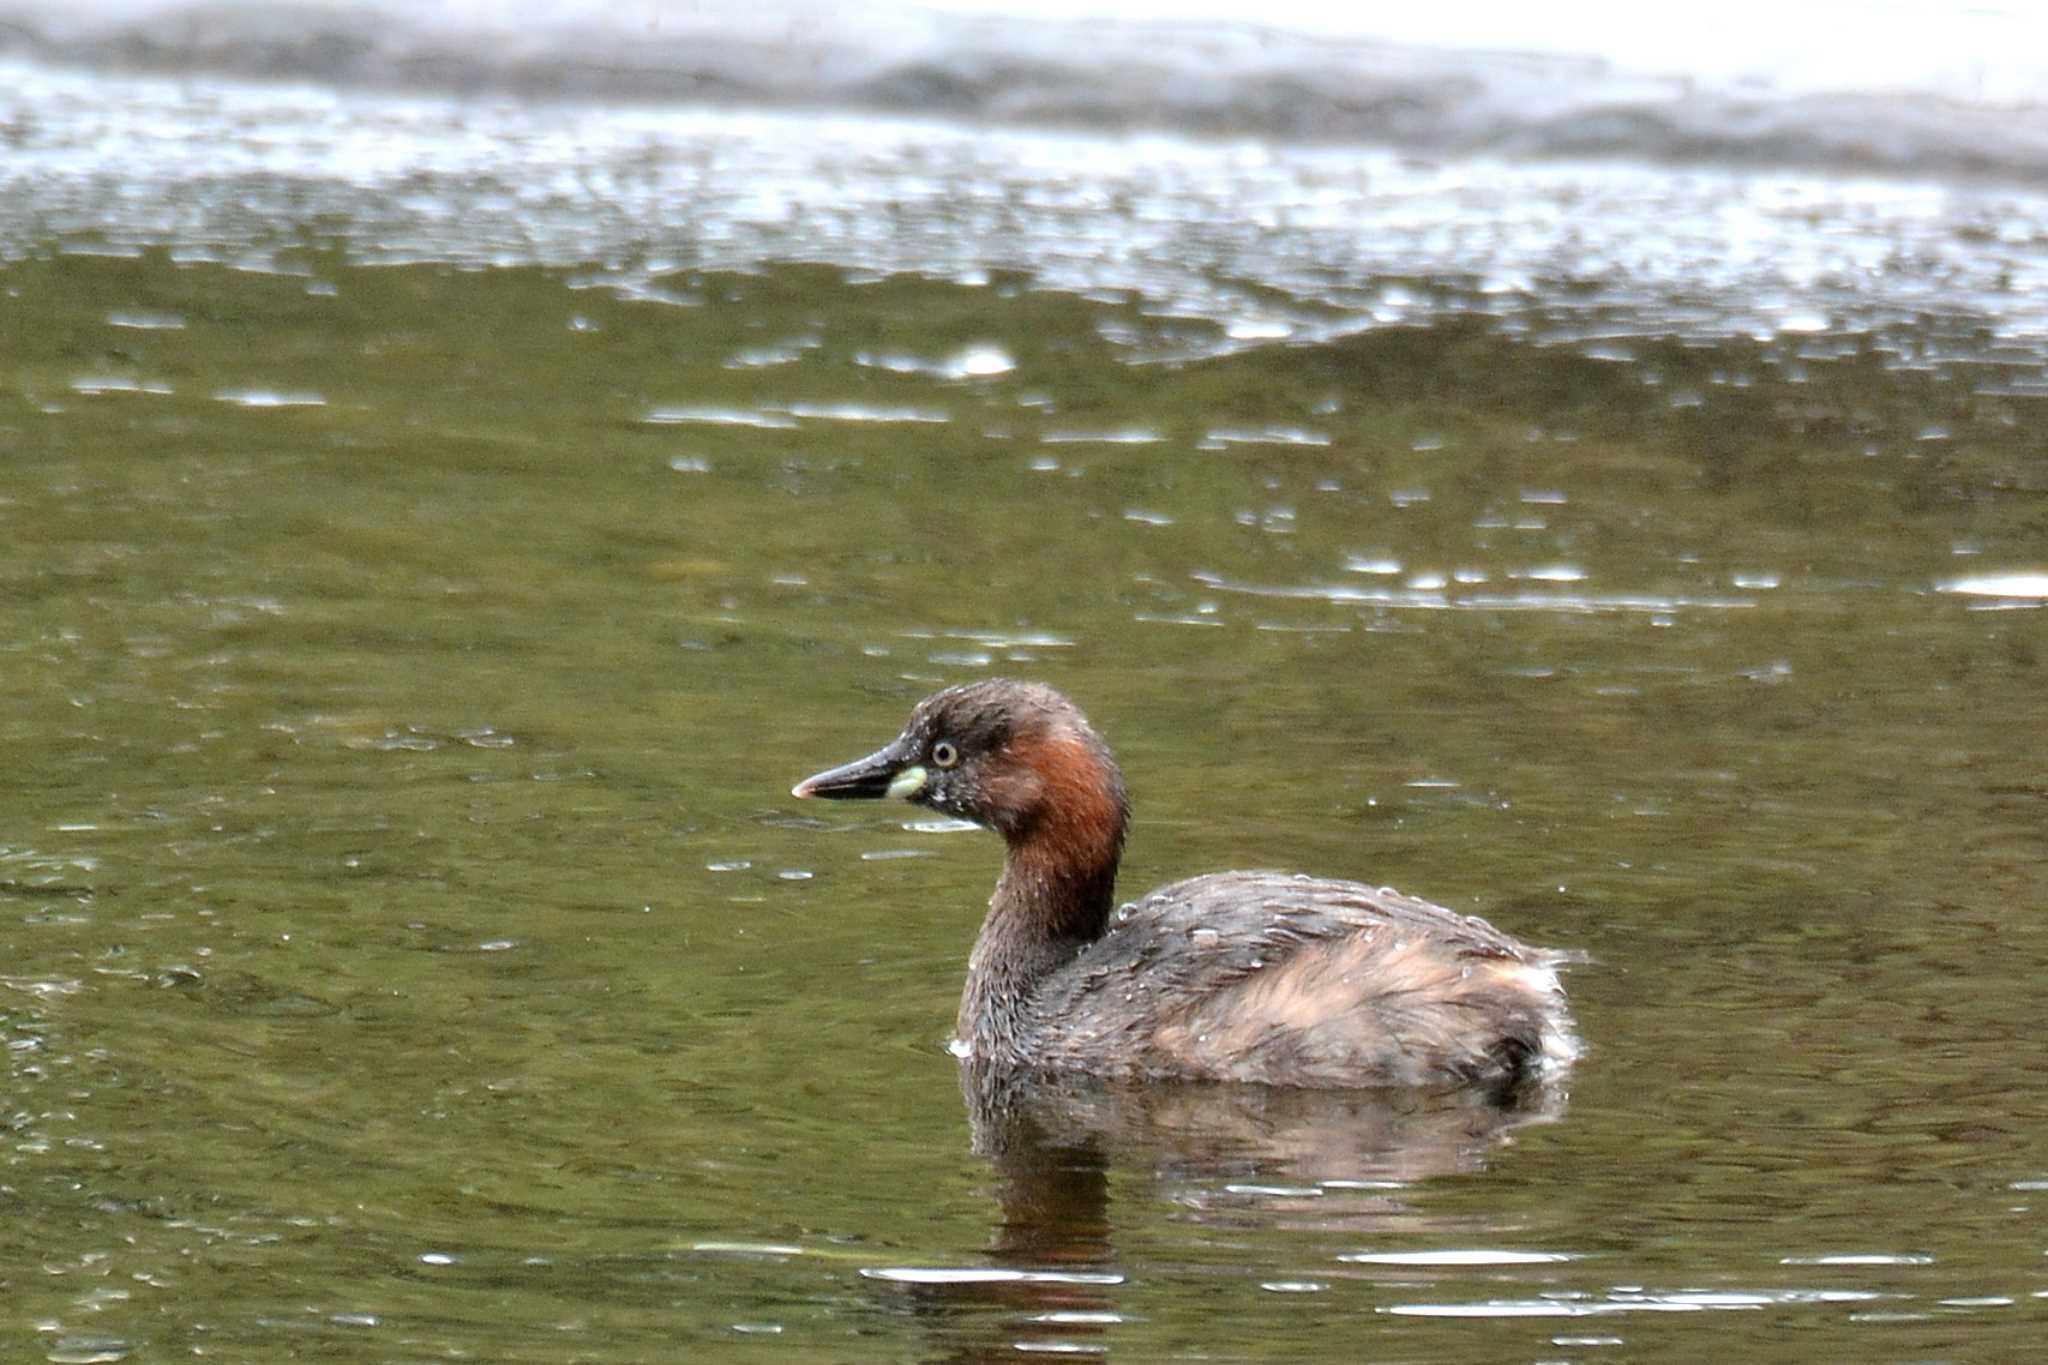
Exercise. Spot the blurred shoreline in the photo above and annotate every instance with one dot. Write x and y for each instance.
(1882, 246)
(1899, 90)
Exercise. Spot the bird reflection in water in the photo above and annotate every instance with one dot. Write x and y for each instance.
(1233, 1156)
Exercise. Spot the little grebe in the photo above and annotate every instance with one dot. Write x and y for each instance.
(1236, 976)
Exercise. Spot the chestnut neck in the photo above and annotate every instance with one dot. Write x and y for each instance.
(1054, 896)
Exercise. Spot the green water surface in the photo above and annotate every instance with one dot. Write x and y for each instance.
(408, 949)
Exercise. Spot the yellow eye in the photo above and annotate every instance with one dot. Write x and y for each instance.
(944, 754)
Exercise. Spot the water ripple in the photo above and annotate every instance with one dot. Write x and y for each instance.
(986, 1275)
(1311, 244)
(1625, 1301)
(1427, 593)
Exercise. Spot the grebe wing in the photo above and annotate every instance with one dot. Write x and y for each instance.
(1261, 976)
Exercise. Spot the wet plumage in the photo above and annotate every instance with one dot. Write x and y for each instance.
(1239, 976)
(1291, 980)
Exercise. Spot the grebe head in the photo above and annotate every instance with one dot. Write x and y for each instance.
(1014, 757)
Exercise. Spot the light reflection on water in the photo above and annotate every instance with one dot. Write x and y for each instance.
(1427, 593)
(1625, 1301)
(1224, 247)
(2024, 585)
(404, 916)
